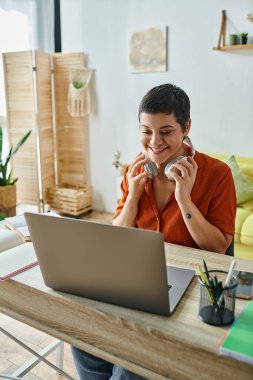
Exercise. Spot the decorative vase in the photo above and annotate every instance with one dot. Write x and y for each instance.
(232, 39)
(8, 200)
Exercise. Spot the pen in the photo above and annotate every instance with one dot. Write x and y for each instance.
(217, 286)
(206, 270)
(227, 281)
(215, 280)
(230, 273)
(213, 285)
(215, 290)
(206, 282)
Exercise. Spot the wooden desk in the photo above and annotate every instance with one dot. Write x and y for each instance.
(175, 347)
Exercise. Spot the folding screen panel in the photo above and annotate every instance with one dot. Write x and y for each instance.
(21, 117)
(71, 132)
(45, 119)
(37, 87)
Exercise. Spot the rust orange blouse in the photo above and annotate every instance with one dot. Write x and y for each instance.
(213, 193)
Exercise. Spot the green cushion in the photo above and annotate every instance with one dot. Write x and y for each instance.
(241, 216)
(246, 169)
(247, 231)
(244, 189)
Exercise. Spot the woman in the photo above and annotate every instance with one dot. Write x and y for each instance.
(192, 203)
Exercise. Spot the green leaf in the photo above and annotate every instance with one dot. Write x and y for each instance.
(14, 181)
(8, 181)
(4, 181)
(78, 85)
(2, 216)
(21, 142)
(4, 172)
(1, 143)
(10, 154)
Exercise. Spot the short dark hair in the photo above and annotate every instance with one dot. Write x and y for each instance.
(167, 98)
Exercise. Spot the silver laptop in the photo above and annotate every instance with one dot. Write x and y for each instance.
(119, 265)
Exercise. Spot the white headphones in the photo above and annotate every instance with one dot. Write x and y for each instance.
(188, 142)
(150, 166)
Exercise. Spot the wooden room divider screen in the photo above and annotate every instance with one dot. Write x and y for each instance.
(36, 85)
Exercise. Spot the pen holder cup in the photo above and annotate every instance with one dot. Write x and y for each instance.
(217, 304)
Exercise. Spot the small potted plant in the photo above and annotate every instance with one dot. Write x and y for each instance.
(243, 37)
(7, 183)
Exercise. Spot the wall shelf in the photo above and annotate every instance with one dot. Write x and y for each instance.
(222, 38)
(234, 47)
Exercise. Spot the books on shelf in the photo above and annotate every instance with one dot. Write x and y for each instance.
(238, 342)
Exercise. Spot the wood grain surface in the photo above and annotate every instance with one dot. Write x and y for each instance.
(176, 347)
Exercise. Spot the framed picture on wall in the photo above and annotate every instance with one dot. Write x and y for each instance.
(148, 50)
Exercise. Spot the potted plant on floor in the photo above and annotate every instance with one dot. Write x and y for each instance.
(7, 183)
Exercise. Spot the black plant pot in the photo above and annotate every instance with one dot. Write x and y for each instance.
(243, 40)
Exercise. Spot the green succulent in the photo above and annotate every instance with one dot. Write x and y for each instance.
(243, 35)
(5, 174)
(78, 85)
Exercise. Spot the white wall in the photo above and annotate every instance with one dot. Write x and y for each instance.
(220, 85)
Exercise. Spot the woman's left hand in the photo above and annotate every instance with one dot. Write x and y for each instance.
(184, 173)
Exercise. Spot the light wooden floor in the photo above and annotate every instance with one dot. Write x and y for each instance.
(12, 356)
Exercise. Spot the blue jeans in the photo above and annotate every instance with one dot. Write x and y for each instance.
(90, 367)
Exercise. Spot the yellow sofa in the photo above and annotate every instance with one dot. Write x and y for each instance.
(244, 216)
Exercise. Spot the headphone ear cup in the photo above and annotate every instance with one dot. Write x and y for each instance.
(150, 167)
(186, 140)
(169, 166)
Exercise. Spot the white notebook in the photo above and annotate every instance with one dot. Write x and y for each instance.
(16, 260)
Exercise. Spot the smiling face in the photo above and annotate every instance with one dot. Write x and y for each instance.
(161, 136)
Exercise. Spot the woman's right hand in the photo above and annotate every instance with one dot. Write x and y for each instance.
(137, 182)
